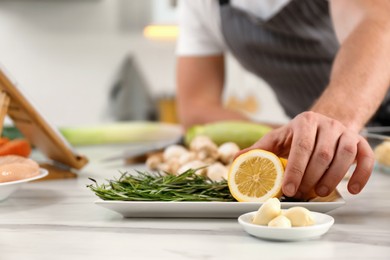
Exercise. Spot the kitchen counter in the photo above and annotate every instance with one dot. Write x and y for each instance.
(57, 219)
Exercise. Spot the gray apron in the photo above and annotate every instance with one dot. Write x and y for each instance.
(293, 51)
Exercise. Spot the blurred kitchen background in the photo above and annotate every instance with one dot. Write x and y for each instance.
(91, 61)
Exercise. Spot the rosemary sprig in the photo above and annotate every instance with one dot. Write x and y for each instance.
(145, 186)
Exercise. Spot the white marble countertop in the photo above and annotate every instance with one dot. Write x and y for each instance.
(57, 219)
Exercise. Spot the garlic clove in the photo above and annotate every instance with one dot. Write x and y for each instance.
(299, 216)
(268, 211)
(280, 221)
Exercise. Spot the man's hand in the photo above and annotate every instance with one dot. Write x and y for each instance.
(320, 150)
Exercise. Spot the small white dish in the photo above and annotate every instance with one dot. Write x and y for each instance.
(7, 188)
(322, 224)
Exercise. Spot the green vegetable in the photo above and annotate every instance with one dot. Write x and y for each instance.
(244, 134)
(120, 133)
(187, 186)
(11, 132)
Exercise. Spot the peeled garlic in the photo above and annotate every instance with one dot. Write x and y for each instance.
(299, 216)
(280, 221)
(268, 211)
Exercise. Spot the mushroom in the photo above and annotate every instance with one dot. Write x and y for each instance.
(173, 151)
(186, 157)
(227, 151)
(154, 160)
(204, 147)
(174, 165)
(163, 167)
(193, 165)
(217, 172)
(170, 166)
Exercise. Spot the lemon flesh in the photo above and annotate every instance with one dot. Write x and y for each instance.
(256, 176)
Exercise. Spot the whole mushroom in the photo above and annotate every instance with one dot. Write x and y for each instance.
(217, 172)
(227, 151)
(193, 165)
(154, 160)
(205, 148)
(173, 151)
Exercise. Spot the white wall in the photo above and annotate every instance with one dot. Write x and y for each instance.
(65, 54)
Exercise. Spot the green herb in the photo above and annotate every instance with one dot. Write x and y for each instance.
(145, 186)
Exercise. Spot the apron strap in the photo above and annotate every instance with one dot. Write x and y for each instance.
(223, 2)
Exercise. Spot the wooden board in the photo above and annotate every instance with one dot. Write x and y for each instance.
(35, 128)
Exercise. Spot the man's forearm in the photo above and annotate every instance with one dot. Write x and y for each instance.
(360, 76)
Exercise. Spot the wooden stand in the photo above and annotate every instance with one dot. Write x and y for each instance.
(4, 102)
(35, 129)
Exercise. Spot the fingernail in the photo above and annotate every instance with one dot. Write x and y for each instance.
(322, 191)
(289, 189)
(355, 188)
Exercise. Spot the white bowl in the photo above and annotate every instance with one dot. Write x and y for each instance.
(7, 188)
(322, 224)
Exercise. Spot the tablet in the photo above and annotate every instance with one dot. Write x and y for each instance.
(33, 126)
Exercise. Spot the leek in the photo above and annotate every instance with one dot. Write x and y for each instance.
(244, 134)
(124, 132)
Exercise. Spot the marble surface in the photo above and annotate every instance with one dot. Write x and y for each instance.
(57, 219)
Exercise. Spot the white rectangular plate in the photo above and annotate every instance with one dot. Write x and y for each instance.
(194, 209)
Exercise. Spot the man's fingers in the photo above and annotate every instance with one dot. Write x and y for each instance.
(302, 146)
(321, 159)
(319, 154)
(364, 167)
(269, 142)
(345, 156)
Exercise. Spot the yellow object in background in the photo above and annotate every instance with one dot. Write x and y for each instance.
(248, 105)
(167, 110)
(155, 32)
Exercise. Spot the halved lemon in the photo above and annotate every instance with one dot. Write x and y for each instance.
(256, 176)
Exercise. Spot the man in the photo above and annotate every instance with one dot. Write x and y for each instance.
(327, 61)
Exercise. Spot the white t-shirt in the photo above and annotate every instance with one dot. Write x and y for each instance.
(200, 23)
